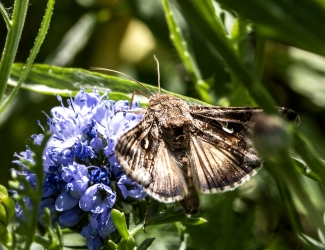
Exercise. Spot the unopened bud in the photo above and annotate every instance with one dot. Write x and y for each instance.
(7, 208)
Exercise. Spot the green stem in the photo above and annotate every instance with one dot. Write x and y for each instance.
(287, 200)
(5, 16)
(259, 57)
(206, 24)
(239, 37)
(285, 171)
(36, 199)
(310, 156)
(183, 52)
(38, 42)
(12, 41)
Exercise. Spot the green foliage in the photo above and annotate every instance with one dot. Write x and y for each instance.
(235, 53)
(285, 21)
(66, 81)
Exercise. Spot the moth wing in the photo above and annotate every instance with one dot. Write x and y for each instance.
(216, 169)
(222, 157)
(146, 159)
(238, 119)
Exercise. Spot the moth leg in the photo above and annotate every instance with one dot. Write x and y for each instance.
(146, 215)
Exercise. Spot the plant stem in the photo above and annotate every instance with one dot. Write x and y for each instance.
(5, 17)
(206, 23)
(181, 47)
(259, 57)
(12, 41)
(38, 42)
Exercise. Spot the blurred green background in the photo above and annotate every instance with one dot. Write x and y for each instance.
(124, 35)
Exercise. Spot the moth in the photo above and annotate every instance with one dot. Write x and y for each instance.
(179, 150)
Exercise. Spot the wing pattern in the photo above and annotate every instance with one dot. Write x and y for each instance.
(222, 156)
(210, 153)
(146, 159)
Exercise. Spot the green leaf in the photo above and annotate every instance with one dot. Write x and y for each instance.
(173, 215)
(34, 51)
(12, 41)
(130, 242)
(311, 242)
(146, 244)
(6, 239)
(310, 156)
(207, 24)
(9, 205)
(51, 80)
(74, 40)
(112, 245)
(120, 223)
(5, 16)
(302, 168)
(3, 191)
(239, 36)
(292, 22)
(183, 52)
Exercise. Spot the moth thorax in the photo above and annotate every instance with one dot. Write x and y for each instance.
(171, 113)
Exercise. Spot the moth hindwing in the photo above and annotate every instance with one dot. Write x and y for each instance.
(179, 150)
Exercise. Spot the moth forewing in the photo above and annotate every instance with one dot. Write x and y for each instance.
(147, 152)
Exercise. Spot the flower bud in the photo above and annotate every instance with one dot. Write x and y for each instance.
(7, 208)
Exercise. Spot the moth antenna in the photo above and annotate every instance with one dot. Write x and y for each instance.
(132, 98)
(158, 73)
(115, 71)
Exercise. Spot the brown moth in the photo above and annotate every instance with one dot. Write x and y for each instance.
(178, 150)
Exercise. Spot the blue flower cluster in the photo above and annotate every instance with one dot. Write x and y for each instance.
(82, 176)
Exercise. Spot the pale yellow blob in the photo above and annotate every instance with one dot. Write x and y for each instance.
(137, 43)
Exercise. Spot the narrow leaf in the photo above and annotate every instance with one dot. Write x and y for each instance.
(5, 16)
(119, 221)
(146, 244)
(205, 23)
(183, 52)
(12, 41)
(52, 80)
(38, 42)
(292, 22)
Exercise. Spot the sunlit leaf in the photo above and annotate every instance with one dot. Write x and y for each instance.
(52, 80)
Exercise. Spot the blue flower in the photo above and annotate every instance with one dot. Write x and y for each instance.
(80, 164)
(90, 232)
(105, 223)
(97, 199)
(71, 217)
(130, 188)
